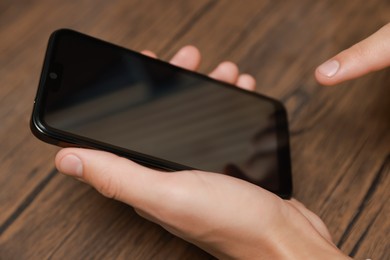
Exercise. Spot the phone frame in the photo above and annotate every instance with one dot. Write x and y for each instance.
(64, 139)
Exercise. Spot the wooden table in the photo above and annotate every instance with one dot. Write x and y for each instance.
(340, 135)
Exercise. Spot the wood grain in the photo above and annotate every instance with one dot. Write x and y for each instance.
(339, 136)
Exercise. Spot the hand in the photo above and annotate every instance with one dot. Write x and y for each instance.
(225, 216)
(368, 55)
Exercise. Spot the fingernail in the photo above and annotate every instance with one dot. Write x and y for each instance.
(71, 165)
(329, 68)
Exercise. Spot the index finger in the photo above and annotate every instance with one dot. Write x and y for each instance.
(371, 54)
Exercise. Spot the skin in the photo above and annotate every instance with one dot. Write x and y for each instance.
(227, 217)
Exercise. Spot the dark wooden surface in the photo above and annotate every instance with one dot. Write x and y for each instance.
(339, 135)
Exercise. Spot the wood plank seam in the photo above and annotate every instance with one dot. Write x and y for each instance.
(364, 234)
(27, 201)
(364, 202)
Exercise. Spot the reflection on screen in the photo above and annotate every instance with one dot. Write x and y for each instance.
(120, 98)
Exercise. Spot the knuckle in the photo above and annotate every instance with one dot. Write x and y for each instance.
(107, 185)
(177, 193)
(177, 196)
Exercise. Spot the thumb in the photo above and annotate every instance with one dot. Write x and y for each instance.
(113, 176)
(371, 54)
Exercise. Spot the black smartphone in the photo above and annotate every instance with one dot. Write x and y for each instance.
(97, 95)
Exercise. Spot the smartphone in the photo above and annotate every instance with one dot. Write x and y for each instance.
(97, 95)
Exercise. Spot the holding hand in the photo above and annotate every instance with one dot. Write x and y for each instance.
(225, 216)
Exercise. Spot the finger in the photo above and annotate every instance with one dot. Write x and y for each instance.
(158, 196)
(187, 57)
(246, 81)
(113, 176)
(369, 55)
(226, 71)
(149, 53)
(161, 197)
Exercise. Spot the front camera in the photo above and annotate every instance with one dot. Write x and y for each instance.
(53, 75)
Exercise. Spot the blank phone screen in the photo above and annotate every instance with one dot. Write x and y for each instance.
(101, 92)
